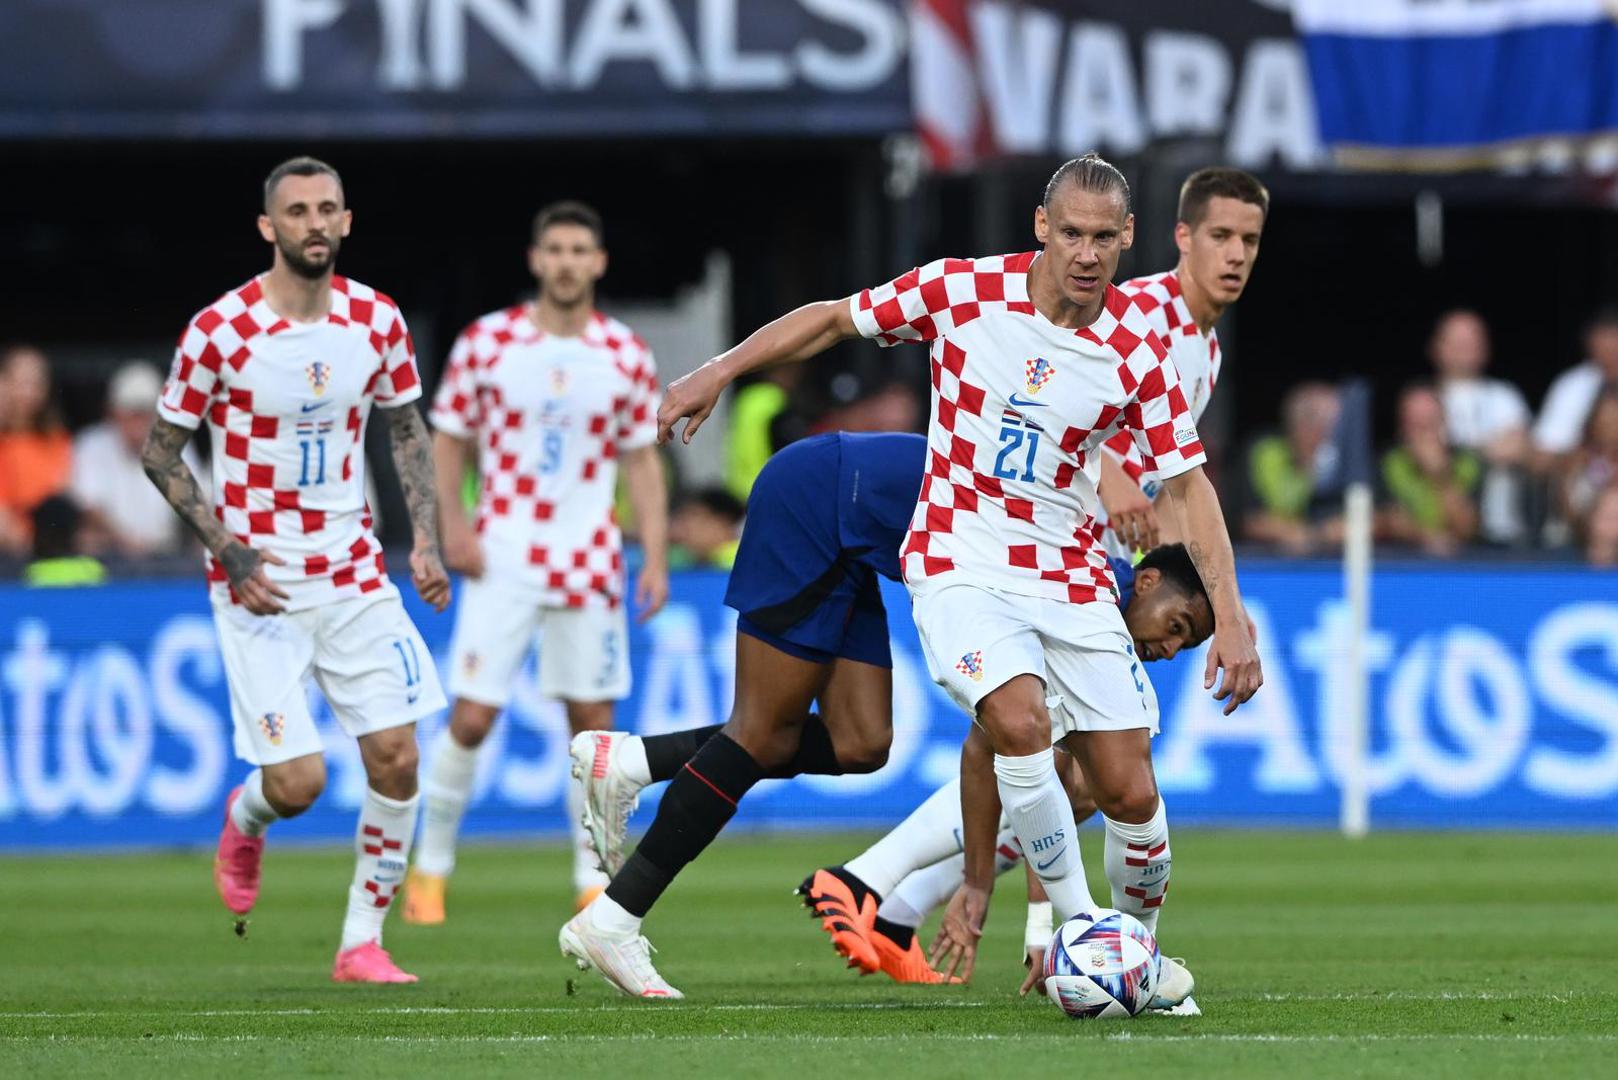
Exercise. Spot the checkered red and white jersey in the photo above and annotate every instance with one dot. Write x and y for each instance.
(550, 416)
(1020, 408)
(286, 405)
(1196, 357)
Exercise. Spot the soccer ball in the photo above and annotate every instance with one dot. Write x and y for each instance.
(1101, 965)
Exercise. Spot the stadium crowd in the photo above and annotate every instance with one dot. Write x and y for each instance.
(1469, 467)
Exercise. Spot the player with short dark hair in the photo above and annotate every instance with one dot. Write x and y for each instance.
(284, 371)
(552, 398)
(826, 519)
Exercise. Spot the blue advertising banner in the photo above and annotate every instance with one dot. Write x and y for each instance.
(1494, 703)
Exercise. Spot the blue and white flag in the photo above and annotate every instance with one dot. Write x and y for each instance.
(1456, 79)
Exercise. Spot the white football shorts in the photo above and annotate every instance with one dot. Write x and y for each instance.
(583, 652)
(977, 639)
(365, 654)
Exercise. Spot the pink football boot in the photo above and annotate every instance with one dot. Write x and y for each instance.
(368, 963)
(236, 867)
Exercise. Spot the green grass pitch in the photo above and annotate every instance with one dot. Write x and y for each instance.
(1401, 955)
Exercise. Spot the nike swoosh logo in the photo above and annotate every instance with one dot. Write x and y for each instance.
(410, 699)
(316, 405)
(1021, 404)
(1048, 863)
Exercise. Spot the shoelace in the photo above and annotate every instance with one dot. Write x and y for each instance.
(640, 961)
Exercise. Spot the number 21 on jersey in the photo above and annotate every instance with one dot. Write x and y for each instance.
(1017, 433)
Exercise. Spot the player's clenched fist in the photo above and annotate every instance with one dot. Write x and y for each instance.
(427, 573)
(694, 396)
(253, 587)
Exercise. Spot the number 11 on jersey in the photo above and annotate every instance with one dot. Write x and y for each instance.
(312, 442)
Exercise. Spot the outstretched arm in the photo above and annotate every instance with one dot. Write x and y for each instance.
(412, 457)
(160, 457)
(797, 335)
(1208, 543)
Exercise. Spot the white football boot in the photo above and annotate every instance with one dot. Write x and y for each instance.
(609, 795)
(1174, 986)
(624, 960)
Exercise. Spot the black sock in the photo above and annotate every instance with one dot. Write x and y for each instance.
(665, 754)
(699, 801)
(901, 936)
(814, 756)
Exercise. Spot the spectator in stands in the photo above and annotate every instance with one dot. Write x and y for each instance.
(123, 512)
(58, 561)
(1292, 491)
(705, 528)
(1601, 530)
(35, 449)
(756, 413)
(1429, 487)
(1568, 404)
(1487, 416)
(1593, 467)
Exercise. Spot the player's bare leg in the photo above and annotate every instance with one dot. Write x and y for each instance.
(851, 734)
(1118, 769)
(588, 878)
(382, 841)
(447, 789)
(773, 694)
(269, 793)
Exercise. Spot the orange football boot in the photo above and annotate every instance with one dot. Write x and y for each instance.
(906, 965)
(847, 912)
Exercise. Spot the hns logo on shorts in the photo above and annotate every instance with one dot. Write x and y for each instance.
(1040, 371)
(274, 726)
(971, 665)
(319, 375)
(470, 664)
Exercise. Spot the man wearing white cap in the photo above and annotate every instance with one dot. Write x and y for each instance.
(124, 512)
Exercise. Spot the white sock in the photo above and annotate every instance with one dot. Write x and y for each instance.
(381, 852)
(922, 891)
(632, 760)
(1042, 818)
(586, 874)
(931, 832)
(252, 813)
(609, 916)
(1138, 860)
(446, 789)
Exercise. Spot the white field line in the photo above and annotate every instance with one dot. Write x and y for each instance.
(514, 1010)
(920, 1037)
(585, 1010)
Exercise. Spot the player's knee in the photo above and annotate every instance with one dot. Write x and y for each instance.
(867, 755)
(471, 723)
(1015, 719)
(1133, 800)
(1017, 734)
(292, 791)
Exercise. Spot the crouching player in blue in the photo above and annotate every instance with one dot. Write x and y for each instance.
(827, 516)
